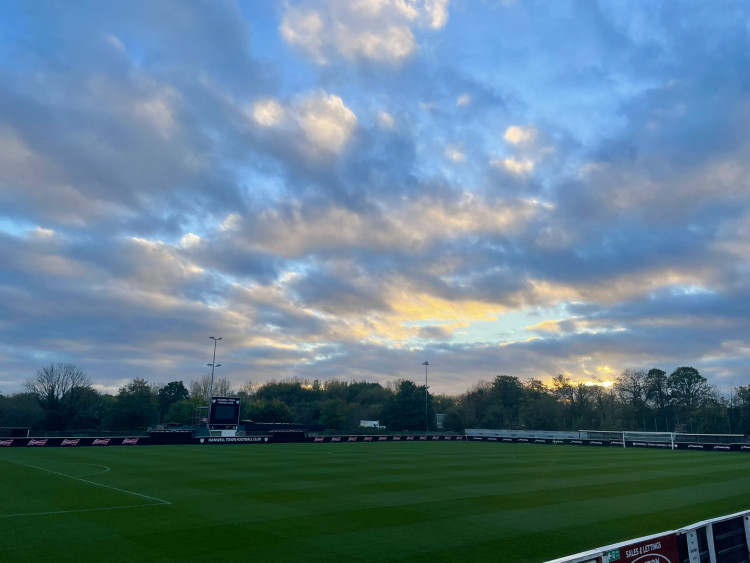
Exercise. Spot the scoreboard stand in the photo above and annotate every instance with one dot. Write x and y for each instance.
(224, 415)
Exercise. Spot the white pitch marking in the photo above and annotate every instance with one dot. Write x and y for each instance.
(80, 510)
(106, 470)
(158, 500)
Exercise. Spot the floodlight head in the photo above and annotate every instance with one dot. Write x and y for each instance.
(425, 363)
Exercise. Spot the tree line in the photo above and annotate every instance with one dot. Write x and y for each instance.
(61, 397)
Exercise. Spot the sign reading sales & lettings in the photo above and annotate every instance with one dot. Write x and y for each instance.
(661, 549)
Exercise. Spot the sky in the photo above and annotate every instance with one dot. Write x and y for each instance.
(348, 188)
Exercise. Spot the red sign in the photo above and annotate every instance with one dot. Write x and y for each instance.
(661, 549)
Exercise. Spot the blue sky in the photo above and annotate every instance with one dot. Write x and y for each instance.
(344, 189)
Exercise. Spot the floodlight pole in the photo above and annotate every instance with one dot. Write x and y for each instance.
(426, 417)
(213, 365)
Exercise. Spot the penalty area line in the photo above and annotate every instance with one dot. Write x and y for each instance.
(51, 512)
(156, 500)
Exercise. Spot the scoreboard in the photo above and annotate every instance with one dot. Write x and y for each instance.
(225, 412)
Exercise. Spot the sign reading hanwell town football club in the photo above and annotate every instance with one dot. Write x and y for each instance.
(661, 549)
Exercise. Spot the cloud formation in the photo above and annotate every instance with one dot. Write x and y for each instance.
(347, 188)
(375, 30)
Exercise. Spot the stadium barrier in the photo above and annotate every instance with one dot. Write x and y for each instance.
(661, 440)
(582, 438)
(725, 539)
(386, 438)
(71, 442)
(174, 437)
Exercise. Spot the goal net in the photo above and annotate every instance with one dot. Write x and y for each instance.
(661, 439)
(628, 438)
(658, 439)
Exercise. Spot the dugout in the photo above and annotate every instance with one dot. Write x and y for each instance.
(286, 436)
(163, 437)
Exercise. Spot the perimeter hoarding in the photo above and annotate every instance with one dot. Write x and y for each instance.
(662, 549)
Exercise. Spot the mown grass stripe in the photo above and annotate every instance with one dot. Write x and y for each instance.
(377, 502)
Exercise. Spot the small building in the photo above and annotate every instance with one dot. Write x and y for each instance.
(370, 424)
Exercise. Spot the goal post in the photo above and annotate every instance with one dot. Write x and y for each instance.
(631, 438)
(651, 439)
(667, 440)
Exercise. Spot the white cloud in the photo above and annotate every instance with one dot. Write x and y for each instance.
(189, 240)
(463, 100)
(385, 120)
(305, 30)
(154, 104)
(268, 112)
(231, 222)
(437, 11)
(521, 135)
(115, 42)
(390, 45)
(42, 233)
(515, 166)
(413, 223)
(158, 113)
(455, 154)
(379, 30)
(326, 121)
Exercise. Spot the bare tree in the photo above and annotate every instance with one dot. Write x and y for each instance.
(632, 389)
(246, 389)
(199, 388)
(54, 382)
(58, 388)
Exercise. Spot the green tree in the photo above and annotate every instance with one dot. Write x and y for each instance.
(180, 412)
(741, 401)
(454, 420)
(173, 392)
(657, 390)
(688, 389)
(274, 410)
(136, 406)
(506, 395)
(333, 414)
(476, 406)
(540, 409)
(405, 410)
(23, 410)
(87, 406)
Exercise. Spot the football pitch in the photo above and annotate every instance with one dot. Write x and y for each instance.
(428, 501)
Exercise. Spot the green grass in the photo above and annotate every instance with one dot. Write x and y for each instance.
(433, 501)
